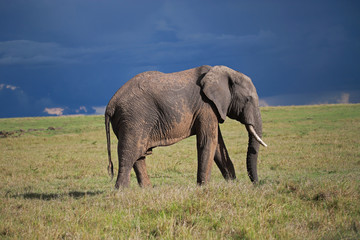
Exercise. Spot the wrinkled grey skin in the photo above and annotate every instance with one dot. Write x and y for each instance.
(156, 109)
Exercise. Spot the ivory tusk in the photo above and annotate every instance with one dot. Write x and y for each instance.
(252, 131)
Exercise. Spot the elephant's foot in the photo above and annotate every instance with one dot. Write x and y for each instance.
(123, 179)
(141, 173)
(145, 183)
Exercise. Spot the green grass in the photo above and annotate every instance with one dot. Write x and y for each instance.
(54, 183)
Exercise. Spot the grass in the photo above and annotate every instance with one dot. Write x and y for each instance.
(54, 182)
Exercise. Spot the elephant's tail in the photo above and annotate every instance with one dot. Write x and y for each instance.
(107, 127)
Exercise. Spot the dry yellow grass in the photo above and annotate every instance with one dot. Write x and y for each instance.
(54, 183)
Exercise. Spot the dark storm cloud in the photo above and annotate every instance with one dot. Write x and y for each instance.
(73, 55)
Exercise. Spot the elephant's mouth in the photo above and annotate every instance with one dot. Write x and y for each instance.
(252, 131)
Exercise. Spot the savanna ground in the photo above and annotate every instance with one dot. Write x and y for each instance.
(54, 182)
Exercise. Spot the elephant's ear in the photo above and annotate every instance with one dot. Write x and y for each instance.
(215, 86)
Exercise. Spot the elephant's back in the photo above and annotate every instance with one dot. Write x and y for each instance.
(155, 81)
(165, 83)
(155, 85)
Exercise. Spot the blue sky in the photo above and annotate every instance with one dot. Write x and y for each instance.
(70, 56)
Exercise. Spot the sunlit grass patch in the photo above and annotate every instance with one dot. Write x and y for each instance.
(54, 183)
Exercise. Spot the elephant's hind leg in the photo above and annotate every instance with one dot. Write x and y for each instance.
(141, 173)
(128, 154)
(123, 178)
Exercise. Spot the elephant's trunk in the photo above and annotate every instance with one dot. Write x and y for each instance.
(255, 133)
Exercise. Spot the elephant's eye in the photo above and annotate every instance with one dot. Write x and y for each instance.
(248, 99)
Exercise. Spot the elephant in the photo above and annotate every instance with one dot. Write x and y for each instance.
(159, 109)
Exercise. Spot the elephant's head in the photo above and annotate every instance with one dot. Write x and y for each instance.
(234, 95)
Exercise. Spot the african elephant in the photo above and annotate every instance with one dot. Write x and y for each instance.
(157, 109)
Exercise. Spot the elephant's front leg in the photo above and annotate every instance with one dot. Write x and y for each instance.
(206, 147)
(141, 173)
(223, 160)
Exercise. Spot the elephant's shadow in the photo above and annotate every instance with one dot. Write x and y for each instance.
(52, 196)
